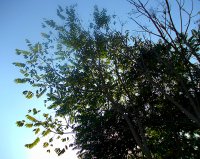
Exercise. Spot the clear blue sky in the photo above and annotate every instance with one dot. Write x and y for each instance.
(20, 20)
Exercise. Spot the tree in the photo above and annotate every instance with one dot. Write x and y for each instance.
(113, 89)
(184, 46)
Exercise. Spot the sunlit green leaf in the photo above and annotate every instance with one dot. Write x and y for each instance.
(37, 140)
(45, 144)
(31, 118)
(29, 125)
(46, 132)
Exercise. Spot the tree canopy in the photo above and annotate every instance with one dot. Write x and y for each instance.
(123, 96)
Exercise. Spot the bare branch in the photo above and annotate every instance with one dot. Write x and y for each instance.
(189, 17)
(170, 17)
(180, 13)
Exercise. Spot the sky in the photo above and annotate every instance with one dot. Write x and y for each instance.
(20, 20)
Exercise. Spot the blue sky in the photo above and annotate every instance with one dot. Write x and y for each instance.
(20, 20)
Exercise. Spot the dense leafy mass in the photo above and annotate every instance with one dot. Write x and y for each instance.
(122, 96)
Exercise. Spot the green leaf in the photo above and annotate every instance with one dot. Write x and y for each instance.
(45, 115)
(59, 151)
(63, 139)
(45, 35)
(45, 144)
(37, 140)
(18, 64)
(45, 133)
(37, 130)
(20, 123)
(28, 94)
(18, 52)
(29, 125)
(58, 137)
(22, 80)
(39, 94)
(51, 139)
(35, 111)
(31, 118)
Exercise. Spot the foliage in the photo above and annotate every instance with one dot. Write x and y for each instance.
(123, 96)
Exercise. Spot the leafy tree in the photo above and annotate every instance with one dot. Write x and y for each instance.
(123, 96)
